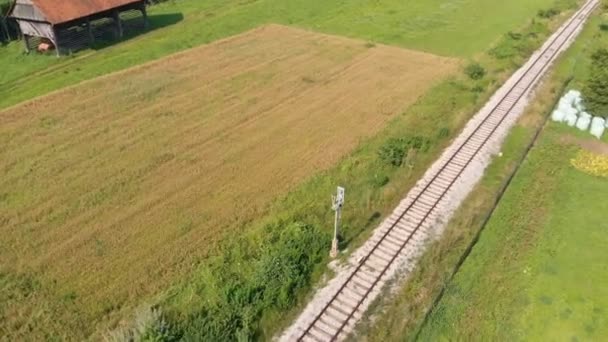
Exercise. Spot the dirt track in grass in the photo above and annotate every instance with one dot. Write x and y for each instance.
(111, 189)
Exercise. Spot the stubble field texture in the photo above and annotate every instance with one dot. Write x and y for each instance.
(112, 188)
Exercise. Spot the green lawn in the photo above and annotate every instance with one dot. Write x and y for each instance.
(539, 270)
(447, 27)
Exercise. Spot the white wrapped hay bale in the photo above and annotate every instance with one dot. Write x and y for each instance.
(579, 105)
(565, 104)
(568, 109)
(572, 99)
(573, 93)
(598, 125)
(583, 122)
(558, 115)
(570, 117)
(576, 99)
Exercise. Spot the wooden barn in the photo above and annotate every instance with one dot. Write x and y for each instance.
(70, 25)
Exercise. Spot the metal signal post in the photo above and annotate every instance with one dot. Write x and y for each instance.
(336, 205)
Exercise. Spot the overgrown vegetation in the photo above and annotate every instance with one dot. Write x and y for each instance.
(475, 71)
(396, 150)
(520, 44)
(523, 43)
(4, 7)
(596, 86)
(6, 30)
(276, 271)
(149, 325)
(548, 13)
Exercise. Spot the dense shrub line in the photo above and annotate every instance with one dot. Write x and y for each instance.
(596, 85)
(520, 44)
(396, 150)
(280, 267)
(249, 278)
(252, 277)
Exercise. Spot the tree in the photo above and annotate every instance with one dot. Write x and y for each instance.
(475, 71)
(596, 87)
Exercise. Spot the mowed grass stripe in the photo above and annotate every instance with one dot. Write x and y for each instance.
(137, 174)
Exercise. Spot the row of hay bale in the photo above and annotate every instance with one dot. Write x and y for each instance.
(571, 110)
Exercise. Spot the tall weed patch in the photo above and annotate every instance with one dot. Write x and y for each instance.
(254, 277)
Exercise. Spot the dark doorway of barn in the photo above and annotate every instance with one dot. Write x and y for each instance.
(69, 26)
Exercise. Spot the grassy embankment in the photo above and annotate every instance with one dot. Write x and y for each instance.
(534, 273)
(224, 298)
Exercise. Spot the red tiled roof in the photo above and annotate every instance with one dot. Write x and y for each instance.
(60, 11)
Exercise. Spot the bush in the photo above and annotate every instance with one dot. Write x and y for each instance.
(396, 150)
(393, 152)
(253, 278)
(380, 180)
(507, 48)
(516, 44)
(479, 88)
(596, 86)
(549, 13)
(475, 71)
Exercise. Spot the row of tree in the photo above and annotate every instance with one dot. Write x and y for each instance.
(596, 87)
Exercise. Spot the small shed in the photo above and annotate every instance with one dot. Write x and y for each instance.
(69, 25)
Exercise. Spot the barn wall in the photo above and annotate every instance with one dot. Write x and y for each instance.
(36, 29)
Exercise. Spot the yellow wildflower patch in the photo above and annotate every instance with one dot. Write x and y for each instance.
(591, 163)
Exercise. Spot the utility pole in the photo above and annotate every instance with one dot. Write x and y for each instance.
(337, 202)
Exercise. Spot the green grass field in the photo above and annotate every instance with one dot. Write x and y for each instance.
(538, 271)
(451, 28)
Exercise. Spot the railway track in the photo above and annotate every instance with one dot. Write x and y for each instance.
(409, 225)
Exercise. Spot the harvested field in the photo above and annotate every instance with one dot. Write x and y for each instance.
(111, 189)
